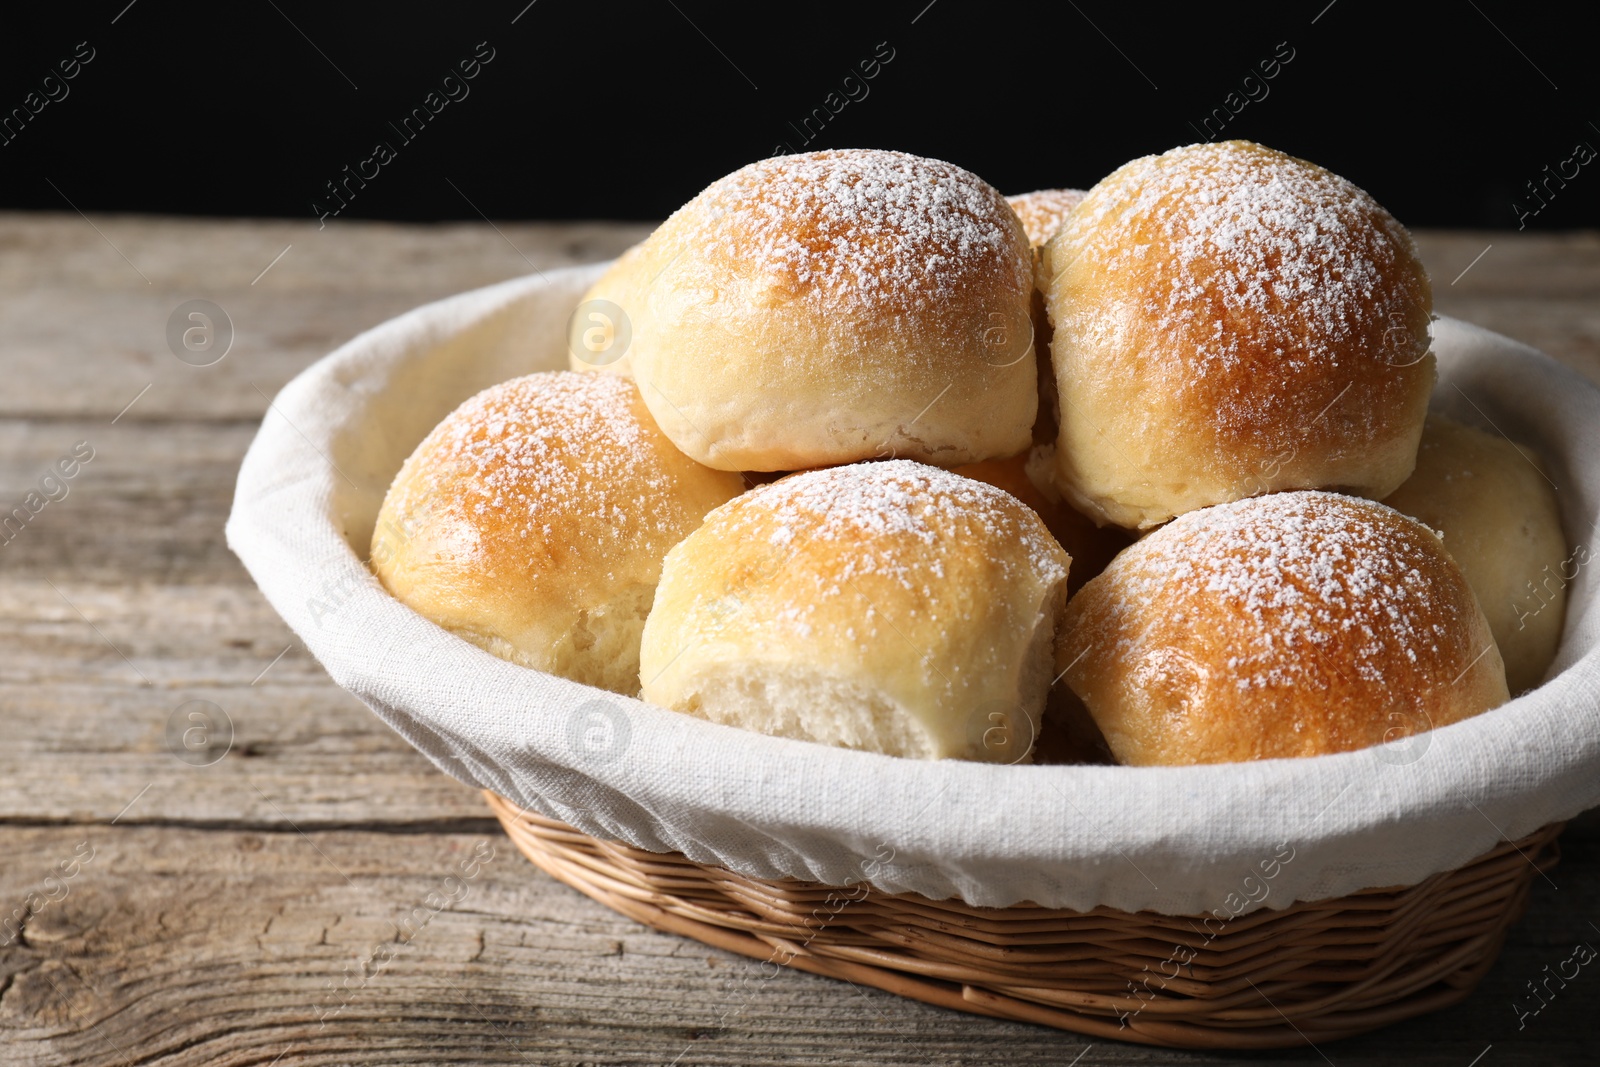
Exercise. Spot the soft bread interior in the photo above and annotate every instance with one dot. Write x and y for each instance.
(807, 703)
(814, 703)
(892, 607)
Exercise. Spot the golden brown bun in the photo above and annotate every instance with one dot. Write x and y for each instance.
(533, 521)
(1230, 321)
(829, 307)
(1499, 519)
(1090, 547)
(1043, 211)
(892, 607)
(1294, 624)
(601, 344)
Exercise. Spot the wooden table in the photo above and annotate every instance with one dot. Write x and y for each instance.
(221, 914)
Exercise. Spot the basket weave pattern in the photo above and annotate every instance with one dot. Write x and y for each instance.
(1271, 978)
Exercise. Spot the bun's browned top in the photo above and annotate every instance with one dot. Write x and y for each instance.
(537, 500)
(1043, 211)
(860, 230)
(1287, 625)
(1248, 292)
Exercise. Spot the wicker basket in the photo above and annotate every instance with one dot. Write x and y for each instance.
(1267, 979)
(315, 478)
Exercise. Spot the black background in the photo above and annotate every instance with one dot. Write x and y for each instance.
(1443, 111)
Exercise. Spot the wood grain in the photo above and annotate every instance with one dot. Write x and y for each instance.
(224, 905)
(183, 946)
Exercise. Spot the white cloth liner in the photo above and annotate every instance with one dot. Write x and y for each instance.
(1180, 840)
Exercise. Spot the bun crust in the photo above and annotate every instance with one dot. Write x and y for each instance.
(891, 607)
(533, 521)
(830, 307)
(1229, 321)
(1500, 521)
(1295, 624)
(627, 274)
(1091, 547)
(1043, 211)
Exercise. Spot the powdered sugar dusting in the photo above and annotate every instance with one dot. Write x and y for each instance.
(558, 449)
(1241, 255)
(862, 228)
(1043, 211)
(876, 507)
(1296, 572)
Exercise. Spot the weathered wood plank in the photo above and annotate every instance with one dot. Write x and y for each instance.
(1541, 291)
(150, 504)
(306, 753)
(177, 946)
(186, 947)
(86, 332)
(63, 632)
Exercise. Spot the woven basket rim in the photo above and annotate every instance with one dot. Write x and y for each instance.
(1310, 972)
